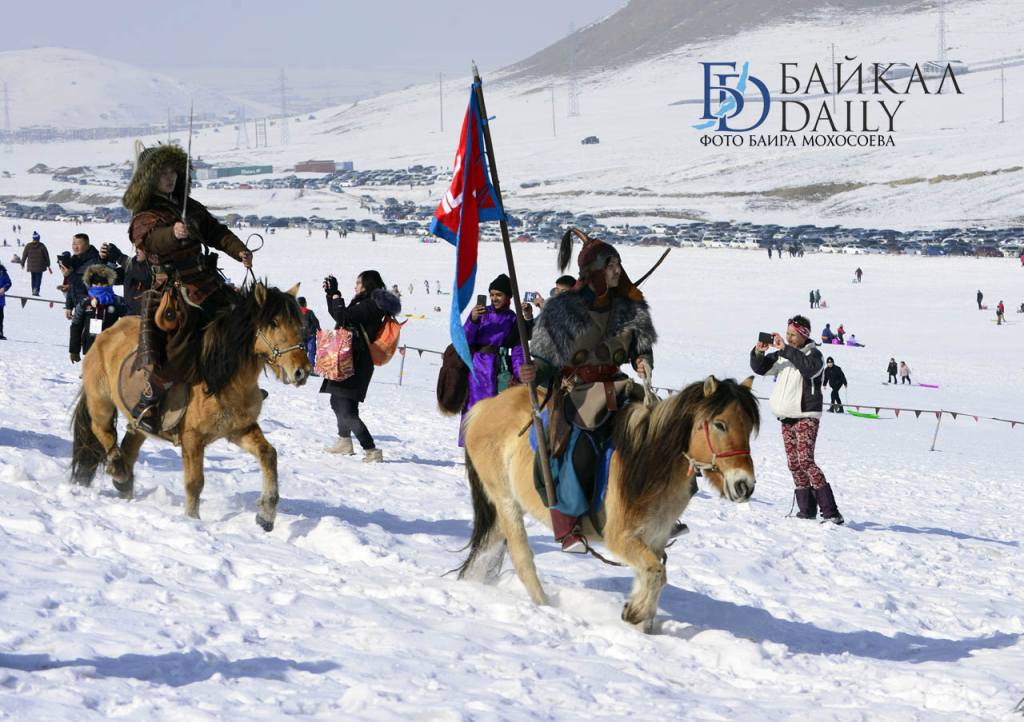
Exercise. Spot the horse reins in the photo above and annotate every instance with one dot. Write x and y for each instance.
(713, 466)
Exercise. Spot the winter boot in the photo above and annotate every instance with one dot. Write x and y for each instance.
(827, 504)
(342, 446)
(146, 411)
(807, 503)
(373, 456)
(567, 531)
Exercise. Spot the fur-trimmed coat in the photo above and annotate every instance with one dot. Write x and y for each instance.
(89, 309)
(366, 311)
(566, 317)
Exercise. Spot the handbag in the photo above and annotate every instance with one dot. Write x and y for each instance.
(334, 357)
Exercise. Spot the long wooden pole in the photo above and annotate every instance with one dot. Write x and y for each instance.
(542, 445)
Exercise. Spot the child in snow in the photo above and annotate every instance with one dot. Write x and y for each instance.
(852, 341)
(905, 374)
(97, 312)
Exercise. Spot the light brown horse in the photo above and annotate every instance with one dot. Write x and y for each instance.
(262, 329)
(651, 479)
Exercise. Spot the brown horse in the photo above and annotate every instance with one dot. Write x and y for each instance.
(263, 328)
(651, 479)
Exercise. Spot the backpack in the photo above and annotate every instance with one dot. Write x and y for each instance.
(385, 343)
(452, 383)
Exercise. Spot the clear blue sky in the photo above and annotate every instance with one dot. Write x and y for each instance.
(389, 43)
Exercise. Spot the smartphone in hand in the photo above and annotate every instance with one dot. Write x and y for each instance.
(481, 299)
(766, 338)
(529, 296)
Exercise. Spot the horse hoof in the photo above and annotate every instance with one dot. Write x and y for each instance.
(82, 480)
(125, 489)
(266, 525)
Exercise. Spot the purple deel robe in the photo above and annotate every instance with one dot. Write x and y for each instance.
(492, 329)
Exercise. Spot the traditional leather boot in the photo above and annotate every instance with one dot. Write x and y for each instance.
(146, 411)
(342, 446)
(827, 504)
(807, 504)
(373, 456)
(568, 532)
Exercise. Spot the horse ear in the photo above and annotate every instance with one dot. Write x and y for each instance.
(259, 291)
(748, 382)
(294, 291)
(710, 385)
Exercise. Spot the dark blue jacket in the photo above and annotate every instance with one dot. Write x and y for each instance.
(76, 286)
(5, 283)
(81, 336)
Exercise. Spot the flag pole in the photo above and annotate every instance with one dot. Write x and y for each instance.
(542, 444)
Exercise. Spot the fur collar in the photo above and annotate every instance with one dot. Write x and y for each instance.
(97, 271)
(566, 317)
(386, 301)
(150, 165)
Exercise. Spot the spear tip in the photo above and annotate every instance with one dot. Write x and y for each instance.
(476, 73)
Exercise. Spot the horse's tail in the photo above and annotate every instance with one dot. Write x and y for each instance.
(485, 516)
(87, 451)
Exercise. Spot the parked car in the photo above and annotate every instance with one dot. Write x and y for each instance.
(590, 140)
(854, 249)
(987, 252)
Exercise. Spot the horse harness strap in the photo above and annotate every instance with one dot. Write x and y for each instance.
(275, 352)
(713, 465)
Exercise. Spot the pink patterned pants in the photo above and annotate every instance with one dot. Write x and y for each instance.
(799, 439)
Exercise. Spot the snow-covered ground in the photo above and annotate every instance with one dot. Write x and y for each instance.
(114, 609)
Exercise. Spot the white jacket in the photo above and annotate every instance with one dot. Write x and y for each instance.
(798, 372)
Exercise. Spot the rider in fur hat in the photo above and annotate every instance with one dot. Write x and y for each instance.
(579, 343)
(174, 252)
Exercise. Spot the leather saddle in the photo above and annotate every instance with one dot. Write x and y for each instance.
(130, 384)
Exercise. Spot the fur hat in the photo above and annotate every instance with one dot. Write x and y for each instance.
(149, 164)
(501, 283)
(591, 261)
(98, 273)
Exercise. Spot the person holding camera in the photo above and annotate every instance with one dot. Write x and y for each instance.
(797, 401)
(132, 273)
(83, 255)
(493, 337)
(363, 317)
(35, 259)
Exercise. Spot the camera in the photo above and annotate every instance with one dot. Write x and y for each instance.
(766, 338)
(64, 259)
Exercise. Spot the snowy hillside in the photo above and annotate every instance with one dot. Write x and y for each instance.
(911, 611)
(68, 88)
(953, 163)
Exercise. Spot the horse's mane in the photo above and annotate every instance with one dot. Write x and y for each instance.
(651, 441)
(229, 338)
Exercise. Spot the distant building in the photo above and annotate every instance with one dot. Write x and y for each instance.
(210, 172)
(316, 166)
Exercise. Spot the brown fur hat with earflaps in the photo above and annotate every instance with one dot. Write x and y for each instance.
(592, 259)
(97, 273)
(149, 164)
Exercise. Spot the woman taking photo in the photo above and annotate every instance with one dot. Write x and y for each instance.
(362, 317)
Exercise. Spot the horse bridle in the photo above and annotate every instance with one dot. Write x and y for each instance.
(713, 466)
(275, 352)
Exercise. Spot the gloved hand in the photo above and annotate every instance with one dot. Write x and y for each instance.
(331, 285)
(110, 252)
(75, 358)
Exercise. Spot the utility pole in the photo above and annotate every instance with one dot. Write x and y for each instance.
(835, 81)
(8, 135)
(243, 131)
(553, 133)
(942, 33)
(574, 101)
(440, 97)
(168, 125)
(285, 130)
(1003, 95)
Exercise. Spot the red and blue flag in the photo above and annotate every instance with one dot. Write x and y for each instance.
(470, 199)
